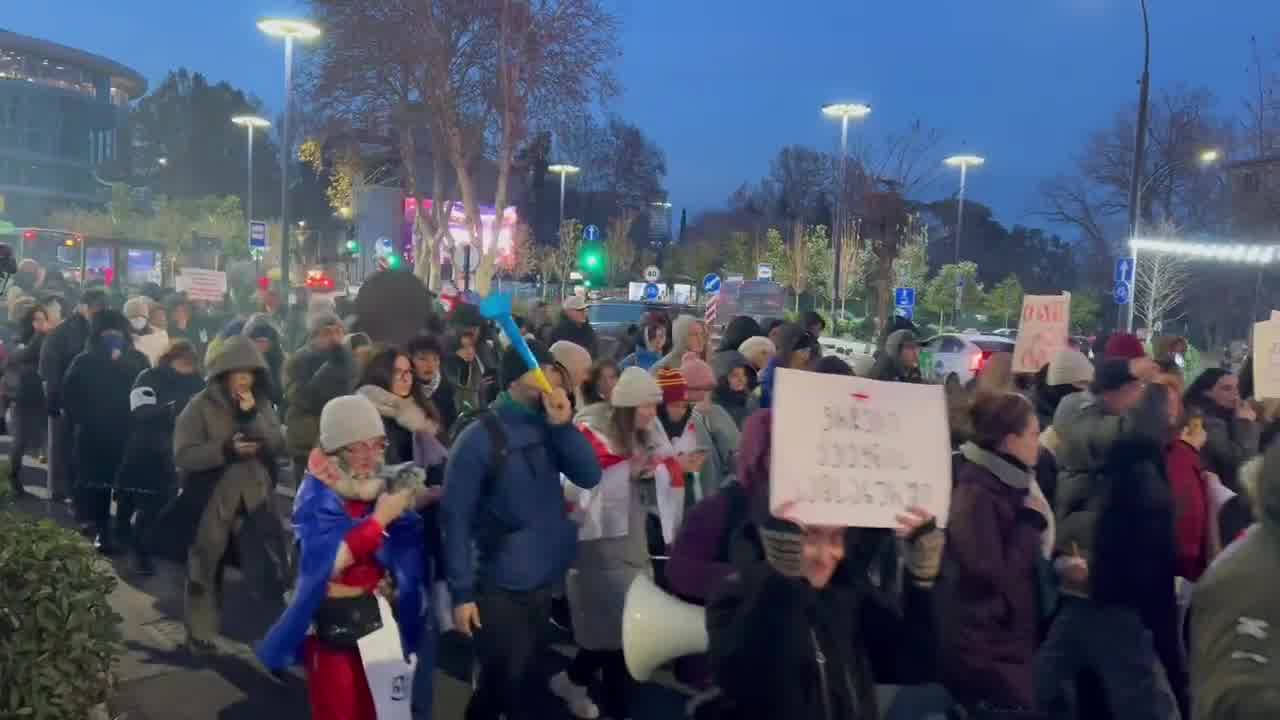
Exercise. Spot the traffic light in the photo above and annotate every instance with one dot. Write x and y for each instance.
(393, 262)
(353, 247)
(591, 263)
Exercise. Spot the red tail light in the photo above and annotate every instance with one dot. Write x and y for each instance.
(978, 361)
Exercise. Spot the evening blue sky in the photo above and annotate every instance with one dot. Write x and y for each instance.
(721, 85)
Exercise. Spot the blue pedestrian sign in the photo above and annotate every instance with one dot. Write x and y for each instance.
(650, 291)
(1123, 293)
(711, 283)
(904, 297)
(590, 233)
(1124, 270)
(258, 235)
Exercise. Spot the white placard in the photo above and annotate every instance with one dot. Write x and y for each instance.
(1042, 331)
(1275, 314)
(390, 678)
(856, 452)
(1266, 360)
(201, 284)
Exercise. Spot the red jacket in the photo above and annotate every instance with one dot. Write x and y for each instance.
(1191, 505)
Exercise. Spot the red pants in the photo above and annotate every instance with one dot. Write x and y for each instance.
(336, 684)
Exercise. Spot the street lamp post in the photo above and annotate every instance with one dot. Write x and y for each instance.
(964, 162)
(250, 123)
(845, 112)
(289, 30)
(1139, 149)
(563, 169)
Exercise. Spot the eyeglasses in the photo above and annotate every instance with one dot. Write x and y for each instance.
(376, 445)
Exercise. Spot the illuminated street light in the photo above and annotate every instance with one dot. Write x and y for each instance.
(250, 123)
(290, 30)
(1219, 252)
(1210, 156)
(844, 112)
(563, 169)
(162, 161)
(964, 162)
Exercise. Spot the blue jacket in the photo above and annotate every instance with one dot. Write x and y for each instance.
(320, 522)
(642, 358)
(516, 520)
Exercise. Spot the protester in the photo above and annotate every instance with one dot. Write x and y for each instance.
(1068, 372)
(729, 355)
(147, 340)
(147, 478)
(758, 351)
(1196, 525)
(1235, 613)
(1123, 346)
(814, 323)
(227, 442)
(600, 384)
(733, 391)
(466, 374)
(675, 420)
(577, 362)
(262, 330)
(505, 503)
(95, 395)
(361, 348)
(999, 538)
(425, 353)
(318, 373)
(411, 421)
(1231, 424)
(650, 350)
(612, 544)
(689, 335)
(795, 352)
(180, 318)
(716, 432)
(573, 325)
(22, 381)
(65, 342)
(355, 534)
(900, 361)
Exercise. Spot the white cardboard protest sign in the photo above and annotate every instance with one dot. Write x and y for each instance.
(856, 452)
(1275, 314)
(1042, 331)
(389, 676)
(201, 284)
(1266, 360)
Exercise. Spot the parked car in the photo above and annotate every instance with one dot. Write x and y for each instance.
(616, 321)
(957, 358)
(1011, 333)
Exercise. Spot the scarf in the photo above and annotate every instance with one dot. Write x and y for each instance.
(332, 470)
(1016, 476)
(404, 410)
(430, 387)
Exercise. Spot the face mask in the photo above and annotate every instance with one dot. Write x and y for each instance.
(138, 323)
(114, 344)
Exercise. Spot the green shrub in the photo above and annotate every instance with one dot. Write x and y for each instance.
(58, 634)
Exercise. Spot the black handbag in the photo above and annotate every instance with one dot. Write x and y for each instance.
(343, 621)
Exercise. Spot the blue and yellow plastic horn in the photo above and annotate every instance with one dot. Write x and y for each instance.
(497, 307)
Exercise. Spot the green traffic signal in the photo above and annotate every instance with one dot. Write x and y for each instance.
(593, 261)
(586, 283)
(353, 246)
(393, 261)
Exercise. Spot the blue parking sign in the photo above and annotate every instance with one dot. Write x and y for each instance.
(904, 297)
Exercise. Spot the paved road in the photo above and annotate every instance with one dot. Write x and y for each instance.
(158, 681)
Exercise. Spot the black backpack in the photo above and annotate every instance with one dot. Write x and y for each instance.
(498, 453)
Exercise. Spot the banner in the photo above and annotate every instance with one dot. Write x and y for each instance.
(201, 284)
(1042, 331)
(848, 451)
(1266, 360)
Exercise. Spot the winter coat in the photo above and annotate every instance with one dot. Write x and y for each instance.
(642, 357)
(699, 559)
(567, 329)
(465, 379)
(151, 343)
(1087, 434)
(987, 594)
(60, 348)
(506, 528)
(1191, 507)
(158, 396)
(261, 325)
(22, 375)
(717, 433)
(95, 396)
(1235, 618)
(411, 435)
(679, 345)
(444, 398)
(1232, 441)
(889, 365)
(313, 378)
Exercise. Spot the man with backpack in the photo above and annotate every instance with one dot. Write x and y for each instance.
(506, 501)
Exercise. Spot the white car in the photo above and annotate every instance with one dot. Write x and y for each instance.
(959, 357)
(857, 354)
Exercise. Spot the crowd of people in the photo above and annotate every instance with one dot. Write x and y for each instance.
(1105, 554)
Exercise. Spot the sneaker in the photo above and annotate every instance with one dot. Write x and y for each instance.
(575, 696)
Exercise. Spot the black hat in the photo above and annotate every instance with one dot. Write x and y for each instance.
(1112, 374)
(513, 366)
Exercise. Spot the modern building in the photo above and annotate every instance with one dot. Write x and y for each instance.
(63, 125)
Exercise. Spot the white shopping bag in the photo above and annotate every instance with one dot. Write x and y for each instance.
(390, 677)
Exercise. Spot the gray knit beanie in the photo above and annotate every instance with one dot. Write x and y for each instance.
(635, 387)
(349, 419)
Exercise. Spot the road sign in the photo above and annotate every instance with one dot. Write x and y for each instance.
(591, 233)
(652, 273)
(960, 281)
(904, 297)
(764, 271)
(1124, 270)
(258, 235)
(906, 311)
(1123, 293)
(711, 283)
(650, 292)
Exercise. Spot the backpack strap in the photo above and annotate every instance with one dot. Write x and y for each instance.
(498, 449)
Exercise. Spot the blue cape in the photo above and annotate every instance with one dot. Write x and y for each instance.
(320, 522)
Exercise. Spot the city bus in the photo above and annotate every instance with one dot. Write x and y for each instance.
(81, 259)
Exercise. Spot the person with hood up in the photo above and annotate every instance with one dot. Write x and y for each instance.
(355, 533)
(22, 380)
(612, 543)
(689, 335)
(147, 477)
(1231, 423)
(729, 355)
(262, 330)
(95, 395)
(1235, 612)
(227, 442)
(795, 352)
(573, 325)
(318, 373)
(733, 392)
(61, 347)
(654, 338)
(716, 432)
(988, 597)
(147, 340)
(900, 361)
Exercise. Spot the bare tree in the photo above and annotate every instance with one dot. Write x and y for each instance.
(1161, 281)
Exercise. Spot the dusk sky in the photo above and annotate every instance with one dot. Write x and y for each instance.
(721, 85)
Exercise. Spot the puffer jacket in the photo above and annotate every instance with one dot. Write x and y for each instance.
(314, 378)
(158, 396)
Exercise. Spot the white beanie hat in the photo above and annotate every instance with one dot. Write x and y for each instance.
(755, 345)
(573, 356)
(1069, 367)
(349, 419)
(635, 387)
(137, 306)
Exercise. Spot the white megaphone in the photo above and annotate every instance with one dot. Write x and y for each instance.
(657, 627)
